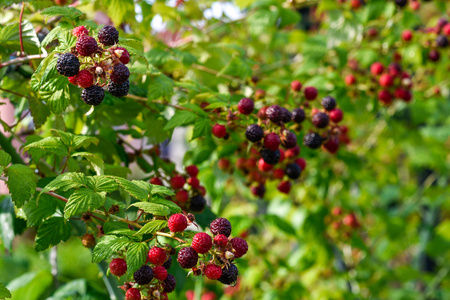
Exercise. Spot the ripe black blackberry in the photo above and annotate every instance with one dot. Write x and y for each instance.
(220, 226)
(270, 157)
(93, 95)
(328, 103)
(320, 120)
(286, 115)
(254, 133)
(143, 275)
(168, 263)
(275, 114)
(229, 274)
(197, 203)
(86, 45)
(288, 139)
(68, 65)
(298, 115)
(120, 73)
(169, 283)
(108, 35)
(312, 140)
(119, 89)
(442, 41)
(293, 171)
(401, 3)
(187, 258)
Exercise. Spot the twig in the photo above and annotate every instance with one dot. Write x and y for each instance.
(214, 72)
(21, 118)
(15, 93)
(22, 52)
(169, 236)
(22, 59)
(53, 195)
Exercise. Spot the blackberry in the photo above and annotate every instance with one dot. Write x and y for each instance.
(201, 242)
(293, 171)
(275, 114)
(160, 273)
(328, 103)
(118, 89)
(93, 95)
(144, 275)
(86, 45)
(312, 140)
(320, 120)
(168, 263)
(246, 106)
(220, 226)
(259, 190)
(298, 115)
(108, 35)
(286, 115)
(272, 141)
(212, 272)
(157, 256)
(120, 73)
(187, 258)
(434, 55)
(123, 54)
(240, 247)
(169, 283)
(68, 65)
(442, 41)
(118, 267)
(401, 3)
(271, 157)
(197, 203)
(254, 133)
(310, 93)
(229, 274)
(288, 139)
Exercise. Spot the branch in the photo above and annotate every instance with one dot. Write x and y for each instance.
(14, 93)
(53, 195)
(22, 59)
(22, 52)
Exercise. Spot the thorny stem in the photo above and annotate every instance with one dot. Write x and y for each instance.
(22, 59)
(22, 52)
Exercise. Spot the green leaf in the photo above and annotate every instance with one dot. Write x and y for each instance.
(50, 144)
(261, 21)
(21, 184)
(59, 100)
(65, 182)
(96, 162)
(131, 188)
(39, 111)
(5, 158)
(280, 223)
(172, 206)
(136, 256)
(152, 208)
(32, 285)
(152, 227)
(288, 17)
(59, 11)
(202, 127)
(118, 228)
(120, 10)
(10, 39)
(37, 211)
(144, 185)
(181, 118)
(161, 86)
(155, 128)
(53, 35)
(102, 183)
(51, 232)
(162, 190)
(4, 292)
(83, 200)
(108, 246)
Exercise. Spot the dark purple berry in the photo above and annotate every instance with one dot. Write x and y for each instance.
(68, 65)
(293, 171)
(270, 157)
(442, 41)
(328, 103)
(144, 275)
(108, 35)
(169, 283)
(220, 226)
(312, 140)
(187, 258)
(229, 274)
(93, 95)
(118, 89)
(275, 114)
(320, 120)
(298, 115)
(120, 73)
(254, 133)
(86, 45)
(197, 203)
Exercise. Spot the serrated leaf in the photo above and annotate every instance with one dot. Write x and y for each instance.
(162, 190)
(131, 188)
(5, 158)
(59, 100)
(52, 232)
(136, 256)
(155, 132)
(108, 246)
(21, 184)
(161, 86)
(280, 223)
(157, 56)
(96, 162)
(118, 228)
(174, 208)
(39, 111)
(143, 184)
(101, 183)
(120, 10)
(10, 38)
(202, 127)
(152, 227)
(51, 145)
(59, 11)
(83, 200)
(65, 182)
(152, 208)
(181, 118)
(37, 211)
(53, 35)
(4, 292)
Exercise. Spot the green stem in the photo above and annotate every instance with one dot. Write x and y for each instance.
(6, 145)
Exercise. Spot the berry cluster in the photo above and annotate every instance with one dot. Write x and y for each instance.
(217, 253)
(343, 224)
(437, 40)
(356, 4)
(189, 192)
(93, 66)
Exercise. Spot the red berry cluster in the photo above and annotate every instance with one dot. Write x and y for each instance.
(96, 65)
(217, 252)
(437, 39)
(342, 223)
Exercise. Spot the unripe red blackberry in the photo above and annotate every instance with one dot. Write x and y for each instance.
(312, 140)
(156, 181)
(85, 79)
(254, 133)
(229, 274)
(301, 162)
(108, 35)
(271, 157)
(263, 166)
(86, 45)
(415, 5)
(328, 103)
(320, 120)
(169, 283)
(355, 4)
(434, 55)
(118, 267)
(177, 182)
(376, 68)
(80, 31)
(272, 141)
(240, 247)
(351, 221)
(385, 97)
(182, 196)
(275, 114)
(407, 35)
(310, 93)
(298, 115)
(336, 115)
(73, 80)
(332, 145)
(212, 272)
(157, 256)
(336, 211)
(93, 95)
(296, 85)
(246, 106)
(187, 258)
(143, 275)
(386, 80)
(262, 113)
(197, 203)
(278, 173)
(192, 170)
(68, 65)
(258, 190)
(293, 171)
(201, 242)
(177, 223)
(403, 94)
(220, 240)
(133, 294)
(120, 73)
(122, 54)
(118, 89)
(292, 152)
(446, 29)
(160, 273)
(260, 94)
(223, 164)
(168, 263)
(350, 80)
(220, 226)
(219, 131)
(194, 182)
(284, 187)
(88, 240)
(442, 41)
(394, 70)
(288, 139)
